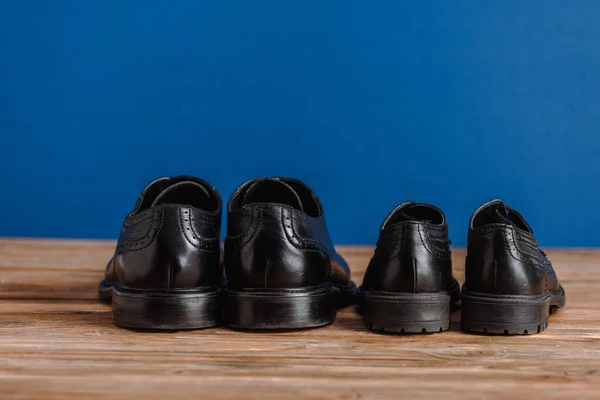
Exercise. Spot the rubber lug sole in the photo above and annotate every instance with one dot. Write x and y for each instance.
(509, 314)
(386, 312)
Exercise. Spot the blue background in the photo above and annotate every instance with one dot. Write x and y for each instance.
(370, 102)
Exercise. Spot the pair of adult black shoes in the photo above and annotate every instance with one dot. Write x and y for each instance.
(281, 270)
(510, 286)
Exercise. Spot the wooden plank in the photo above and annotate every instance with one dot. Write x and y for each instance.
(57, 341)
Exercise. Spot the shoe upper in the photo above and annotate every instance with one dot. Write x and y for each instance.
(412, 253)
(503, 256)
(171, 238)
(277, 238)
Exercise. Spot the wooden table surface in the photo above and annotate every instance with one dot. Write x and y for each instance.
(58, 341)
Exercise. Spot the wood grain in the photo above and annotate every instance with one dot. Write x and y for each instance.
(57, 341)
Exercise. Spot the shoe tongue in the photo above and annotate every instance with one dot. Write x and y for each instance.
(272, 190)
(181, 193)
(495, 211)
(409, 211)
(501, 215)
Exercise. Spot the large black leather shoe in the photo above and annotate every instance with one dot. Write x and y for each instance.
(408, 286)
(282, 268)
(166, 269)
(510, 287)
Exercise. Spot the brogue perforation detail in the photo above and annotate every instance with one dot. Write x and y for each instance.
(295, 240)
(139, 243)
(138, 218)
(187, 229)
(433, 249)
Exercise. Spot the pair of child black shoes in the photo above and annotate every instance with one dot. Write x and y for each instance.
(510, 286)
(279, 268)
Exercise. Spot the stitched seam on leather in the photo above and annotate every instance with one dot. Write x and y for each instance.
(514, 251)
(311, 222)
(133, 239)
(183, 229)
(414, 263)
(147, 217)
(185, 236)
(207, 218)
(520, 254)
(488, 231)
(495, 276)
(441, 253)
(169, 274)
(138, 218)
(150, 241)
(268, 265)
(302, 239)
(546, 262)
(403, 239)
(434, 251)
(319, 246)
(295, 233)
(256, 224)
(201, 237)
(521, 235)
(509, 244)
(523, 255)
(384, 248)
(396, 251)
(250, 225)
(528, 244)
(296, 215)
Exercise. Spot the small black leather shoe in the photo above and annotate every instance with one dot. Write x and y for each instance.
(282, 268)
(408, 286)
(166, 270)
(510, 286)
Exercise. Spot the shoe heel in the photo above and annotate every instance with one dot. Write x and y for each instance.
(407, 312)
(508, 315)
(253, 309)
(192, 309)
